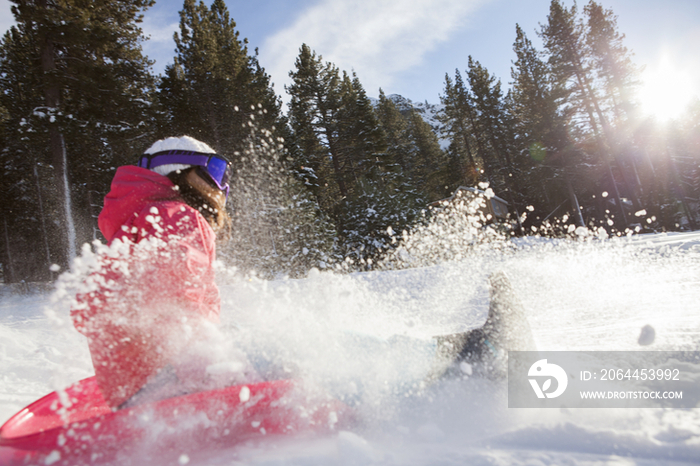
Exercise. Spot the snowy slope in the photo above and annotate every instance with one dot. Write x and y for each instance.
(593, 295)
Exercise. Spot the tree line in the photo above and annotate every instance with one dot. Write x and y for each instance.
(331, 180)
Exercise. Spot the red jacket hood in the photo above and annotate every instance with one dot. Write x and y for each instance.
(133, 189)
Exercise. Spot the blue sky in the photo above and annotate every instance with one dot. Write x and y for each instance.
(407, 46)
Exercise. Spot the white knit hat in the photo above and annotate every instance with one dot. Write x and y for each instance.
(185, 143)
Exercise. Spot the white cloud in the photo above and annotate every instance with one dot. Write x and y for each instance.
(159, 31)
(6, 17)
(377, 39)
(159, 27)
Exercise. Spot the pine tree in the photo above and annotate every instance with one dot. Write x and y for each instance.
(569, 58)
(390, 192)
(218, 93)
(495, 138)
(395, 129)
(335, 127)
(76, 88)
(457, 122)
(343, 154)
(612, 62)
(618, 78)
(564, 41)
(486, 95)
(312, 116)
(428, 159)
(21, 92)
(413, 149)
(361, 140)
(690, 148)
(380, 195)
(542, 139)
(214, 84)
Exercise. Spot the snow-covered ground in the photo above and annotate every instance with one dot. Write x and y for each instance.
(367, 337)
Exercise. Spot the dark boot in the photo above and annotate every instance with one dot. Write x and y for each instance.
(484, 351)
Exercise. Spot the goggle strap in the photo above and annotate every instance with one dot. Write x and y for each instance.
(177, 156)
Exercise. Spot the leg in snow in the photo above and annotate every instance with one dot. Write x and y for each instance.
(484, 351)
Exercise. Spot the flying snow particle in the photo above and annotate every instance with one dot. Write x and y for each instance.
(465, 367)
(184, 459)
(640, 213)
(647, 335)
(332, 419)
(52, 457)
(244, 394)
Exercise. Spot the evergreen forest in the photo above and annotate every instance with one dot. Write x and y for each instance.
(336, 178)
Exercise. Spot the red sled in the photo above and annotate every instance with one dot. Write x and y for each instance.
(76, 427)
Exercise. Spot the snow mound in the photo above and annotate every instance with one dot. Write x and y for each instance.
(359, 336)
(181, 143)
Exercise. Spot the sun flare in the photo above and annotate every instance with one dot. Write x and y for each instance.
(666, 90)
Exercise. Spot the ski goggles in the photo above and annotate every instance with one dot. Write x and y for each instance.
(215, 168)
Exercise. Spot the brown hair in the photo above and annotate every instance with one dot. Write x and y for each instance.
(214, 213)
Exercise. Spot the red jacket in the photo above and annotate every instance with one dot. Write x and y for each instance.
(152, 287)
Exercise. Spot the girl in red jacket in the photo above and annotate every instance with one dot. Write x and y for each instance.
(155, 287)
